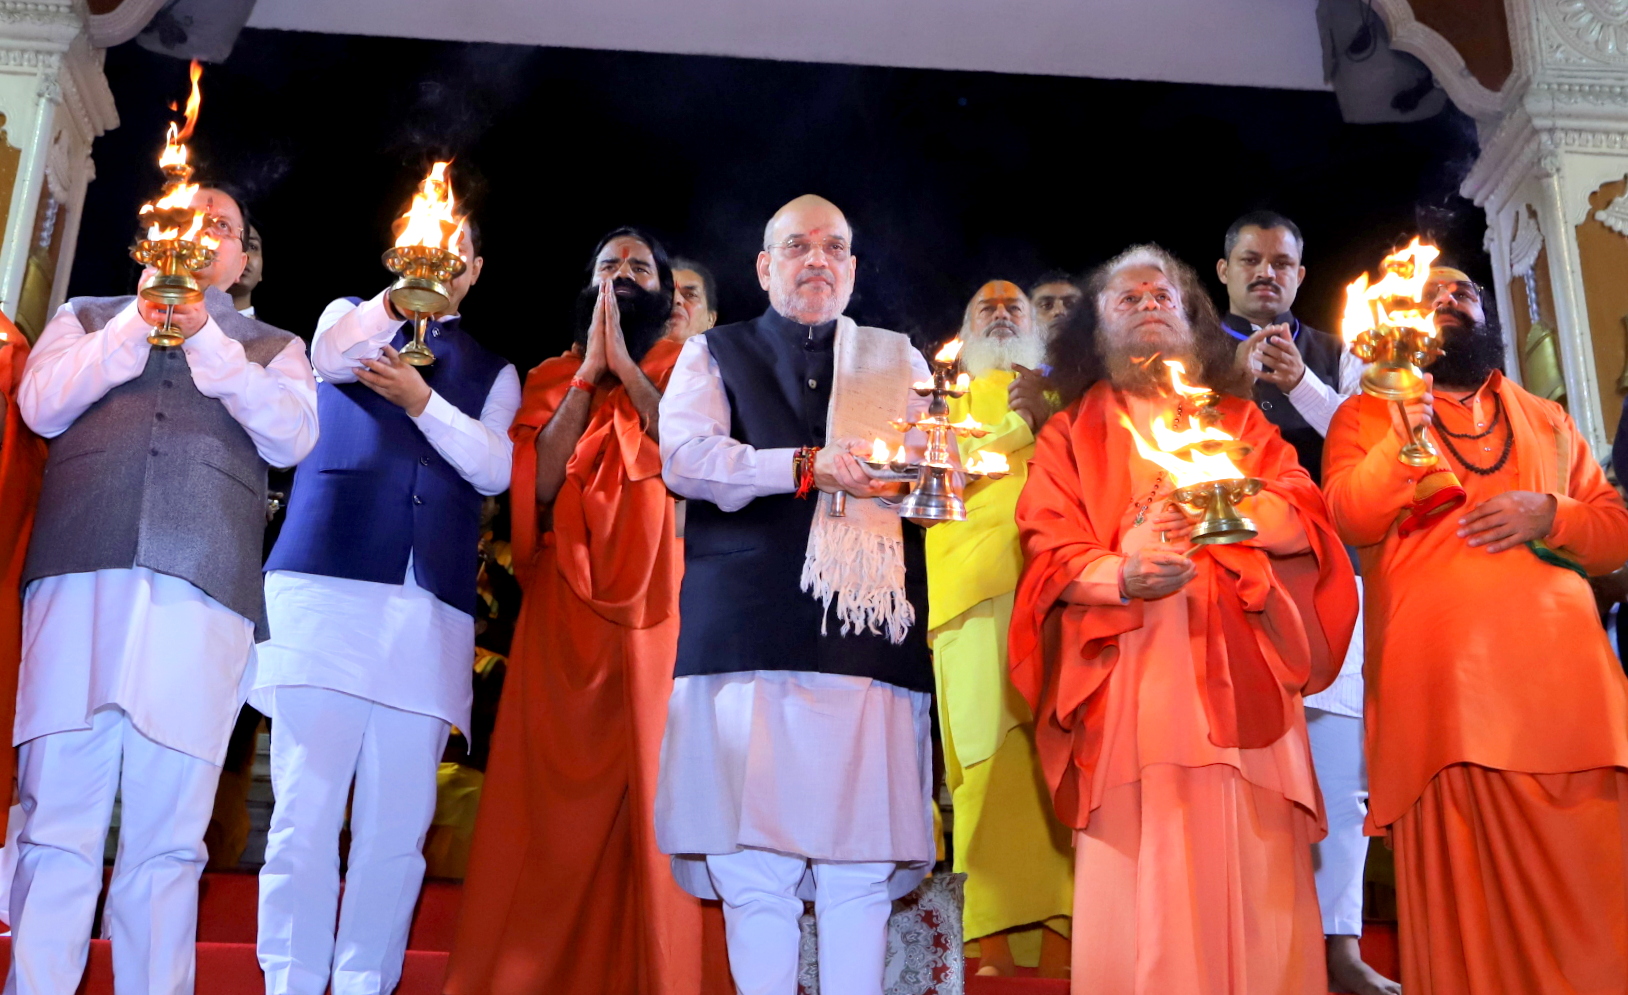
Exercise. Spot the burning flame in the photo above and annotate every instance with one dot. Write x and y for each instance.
(987, 462)
(963, 383)
(1198, 467)
(1178, 380)
(971, 424)
(879, 452)
(430, 220)
(950, 353)
(1387, 301)
(178, 192)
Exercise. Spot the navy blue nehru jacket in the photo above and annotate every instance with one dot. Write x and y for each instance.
(1321, 353)
(374, 490)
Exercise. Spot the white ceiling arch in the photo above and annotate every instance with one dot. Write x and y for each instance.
(1268, 43)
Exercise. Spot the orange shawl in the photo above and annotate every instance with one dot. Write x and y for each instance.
(22, 462)
(609, 533)
(1280, 629)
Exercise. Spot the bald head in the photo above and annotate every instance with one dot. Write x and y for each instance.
(807, 263)
(998, 330)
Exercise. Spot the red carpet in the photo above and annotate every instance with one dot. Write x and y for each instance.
(226, 964)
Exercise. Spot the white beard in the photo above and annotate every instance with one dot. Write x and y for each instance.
(981, 353)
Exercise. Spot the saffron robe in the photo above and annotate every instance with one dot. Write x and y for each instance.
(1171, 731)
(1017, 857)
(566, 892)
(1497, 714)
(22, 464)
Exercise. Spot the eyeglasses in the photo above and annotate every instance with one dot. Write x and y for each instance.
(835, 249)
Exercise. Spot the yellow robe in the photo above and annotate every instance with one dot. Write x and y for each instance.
(1017, 856)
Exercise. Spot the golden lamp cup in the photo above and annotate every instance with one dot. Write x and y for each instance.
(422, 274)
(176, 261)
(1215, 504)
(1397, 355)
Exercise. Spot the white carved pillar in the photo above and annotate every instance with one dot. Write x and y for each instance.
(55, 101)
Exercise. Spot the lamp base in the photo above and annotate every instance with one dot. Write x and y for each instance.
(934, 498)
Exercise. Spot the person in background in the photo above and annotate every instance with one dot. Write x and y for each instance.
(253, 268)
(1053, 297)
(695, 299)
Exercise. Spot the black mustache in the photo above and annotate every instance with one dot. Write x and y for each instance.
(1267, 283)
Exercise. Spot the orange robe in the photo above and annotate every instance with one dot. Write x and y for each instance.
(22, 463)
(566, 893)
(1497, 715)
(1171, 731)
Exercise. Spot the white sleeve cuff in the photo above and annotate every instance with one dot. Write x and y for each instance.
(773, 474)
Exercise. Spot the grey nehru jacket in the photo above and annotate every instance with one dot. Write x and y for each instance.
(157, 475)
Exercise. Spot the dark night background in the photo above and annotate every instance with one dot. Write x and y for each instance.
(949, 178)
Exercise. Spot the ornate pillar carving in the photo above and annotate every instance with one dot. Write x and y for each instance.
(55, 101)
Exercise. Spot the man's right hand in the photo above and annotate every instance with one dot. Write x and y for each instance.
(1420, 411)
(1155, 571)
(596, 358)
(188, 319)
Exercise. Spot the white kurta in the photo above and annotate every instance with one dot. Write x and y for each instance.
(822, 766)
(167, 654)
(395, 644)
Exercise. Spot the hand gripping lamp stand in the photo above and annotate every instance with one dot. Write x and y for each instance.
(425, 259)
(940, 482)
(176, 244)
(1389, 326)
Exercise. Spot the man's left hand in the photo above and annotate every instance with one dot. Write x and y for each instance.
(1509, 520)
(1281, 357)
(1027, 396)
(396, 381)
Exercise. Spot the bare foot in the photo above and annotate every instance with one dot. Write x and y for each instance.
(1348, 972)
(995, 957)
(1055, 954)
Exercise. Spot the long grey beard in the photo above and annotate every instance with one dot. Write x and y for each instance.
(981, 353)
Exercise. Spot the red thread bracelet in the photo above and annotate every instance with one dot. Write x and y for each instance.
(805, 479)
(577, 383)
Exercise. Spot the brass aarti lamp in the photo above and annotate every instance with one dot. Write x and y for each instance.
(1201, 459)
(1388, 326)
(425, 259)
(938, 478)
(175, 245)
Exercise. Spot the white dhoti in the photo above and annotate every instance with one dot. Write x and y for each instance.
(780, 786)
(363, 683)
(130, 683)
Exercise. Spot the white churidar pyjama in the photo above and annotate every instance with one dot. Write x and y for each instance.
(152, 903)
(321, 740)
(1339, 859)
(761, 908)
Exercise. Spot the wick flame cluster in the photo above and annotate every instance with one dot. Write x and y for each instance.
(950, 352)
(1199, 467)
(986, 461)
(881, 454)
(431, 219)
(178, 191)
(1387, 301)
(1178, 381)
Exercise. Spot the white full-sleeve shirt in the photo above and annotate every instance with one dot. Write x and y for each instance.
(395, 644)
(153, 645)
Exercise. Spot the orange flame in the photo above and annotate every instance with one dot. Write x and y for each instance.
(1396, 299)
(963, 383)
(950, 353)
(431, 219)
(178, 192)
(986, 462)
(1178, 380)
(1197, 467)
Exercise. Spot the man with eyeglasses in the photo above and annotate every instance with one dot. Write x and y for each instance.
(142, 607)
(797, 761)
(371, 594)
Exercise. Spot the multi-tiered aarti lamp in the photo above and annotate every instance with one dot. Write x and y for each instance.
(1199, 458)
(425, 259)
(1389, 325)
(939, 477)
(176, 246)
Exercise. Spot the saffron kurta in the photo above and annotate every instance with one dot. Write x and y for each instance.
(566, 892)
(22, 461)
(1171, 730)
(1017, 857)
(1497, 715)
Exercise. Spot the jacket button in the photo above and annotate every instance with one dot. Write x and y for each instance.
(813, 384)
(152, 452)
(417, 499)
(169, 383)
(424, 460)
(1266, 405)
(159, 416)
